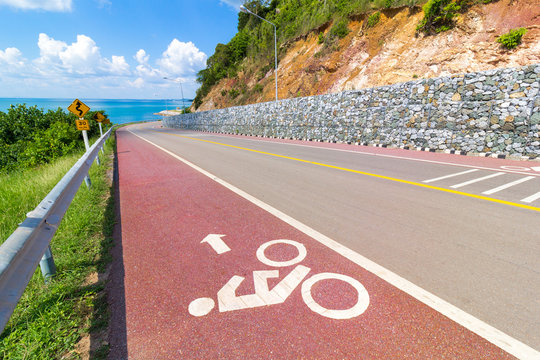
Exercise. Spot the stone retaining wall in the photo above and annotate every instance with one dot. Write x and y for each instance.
(496, 111)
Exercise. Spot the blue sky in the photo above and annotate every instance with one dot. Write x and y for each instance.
(109, 48)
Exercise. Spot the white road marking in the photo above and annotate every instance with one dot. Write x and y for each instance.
(201, 306)
(531, 198)
(488, 332)
(263, 296)
(476, 180)
(357, 309)
(506, 186)
(302, 252)
(217, 243)
(449, 176)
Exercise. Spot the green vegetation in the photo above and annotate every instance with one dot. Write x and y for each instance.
(320, 39)
(293, 18)
(439, 16)
(51, 318)
(340, 29)
(511, 39)
(30, 136)
(373, 19)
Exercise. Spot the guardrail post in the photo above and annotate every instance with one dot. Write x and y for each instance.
(48, 268)
(100, 135)
(87, 180)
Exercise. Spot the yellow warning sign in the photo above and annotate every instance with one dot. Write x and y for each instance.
(78, 108)
(99, 117)
(82, 124)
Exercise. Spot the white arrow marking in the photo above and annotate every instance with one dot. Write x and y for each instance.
(228, 301)
(536, 168)
(216, 243)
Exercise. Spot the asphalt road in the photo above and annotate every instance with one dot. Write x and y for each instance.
(462, 228)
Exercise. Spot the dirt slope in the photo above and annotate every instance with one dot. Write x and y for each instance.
(389, 53)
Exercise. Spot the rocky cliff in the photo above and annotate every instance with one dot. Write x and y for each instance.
(389, 52)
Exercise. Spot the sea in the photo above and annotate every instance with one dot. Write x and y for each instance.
(119, 111)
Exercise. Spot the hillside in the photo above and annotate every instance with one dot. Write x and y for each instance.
(389, 52)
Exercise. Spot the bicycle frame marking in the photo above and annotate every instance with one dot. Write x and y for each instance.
(264, 296)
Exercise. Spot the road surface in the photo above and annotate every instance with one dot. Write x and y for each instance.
(436, 255)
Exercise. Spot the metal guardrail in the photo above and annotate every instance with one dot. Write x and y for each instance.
(23, 250)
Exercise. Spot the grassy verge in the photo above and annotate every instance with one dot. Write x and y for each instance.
(50, 319)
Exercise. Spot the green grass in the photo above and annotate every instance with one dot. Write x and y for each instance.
(51, 318)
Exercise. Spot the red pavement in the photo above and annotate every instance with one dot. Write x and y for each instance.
(167, 209)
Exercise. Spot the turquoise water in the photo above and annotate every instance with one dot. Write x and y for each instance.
(119, 111)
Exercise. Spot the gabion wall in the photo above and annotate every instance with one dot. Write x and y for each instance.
(496, 111)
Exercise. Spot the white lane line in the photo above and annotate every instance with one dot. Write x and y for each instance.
(476, 180)
(488, 332)
(506, 186)
(449, 176)
(531, 198)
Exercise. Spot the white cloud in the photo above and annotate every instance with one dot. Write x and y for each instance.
(64, 67)
(141, 57)
(47, 5)
(182, 59)
(118, 66)
(235, 4)
(137, 83)
(11, 57)
(104, 3)
(81, 57)
(50, 48)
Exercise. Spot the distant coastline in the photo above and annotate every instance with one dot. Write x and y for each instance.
(120, 111)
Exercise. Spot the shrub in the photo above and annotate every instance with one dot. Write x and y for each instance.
(339, 29)
(438, 16)
(511, 39)
(223, 92)
(233, 93)
(373, 19)
(59, 139)
(388, 3)
(321, 38)
(30, 136)
(258, 88)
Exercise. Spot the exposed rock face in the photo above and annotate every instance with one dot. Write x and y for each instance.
(392, 52)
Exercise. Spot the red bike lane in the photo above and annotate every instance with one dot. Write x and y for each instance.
(210, 275)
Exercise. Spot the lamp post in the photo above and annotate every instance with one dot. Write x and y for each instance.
(181, 89)
(247, 11)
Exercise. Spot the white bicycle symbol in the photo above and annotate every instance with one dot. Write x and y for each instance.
(263, 296)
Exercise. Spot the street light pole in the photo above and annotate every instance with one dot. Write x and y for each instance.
(181, 89)
(247, 11)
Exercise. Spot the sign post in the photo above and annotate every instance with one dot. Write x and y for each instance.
(99, 118)
(79, 108)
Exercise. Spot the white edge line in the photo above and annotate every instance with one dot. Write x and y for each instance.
(369, 153)
(488, 332)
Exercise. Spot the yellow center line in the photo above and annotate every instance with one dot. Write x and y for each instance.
(523, 206)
